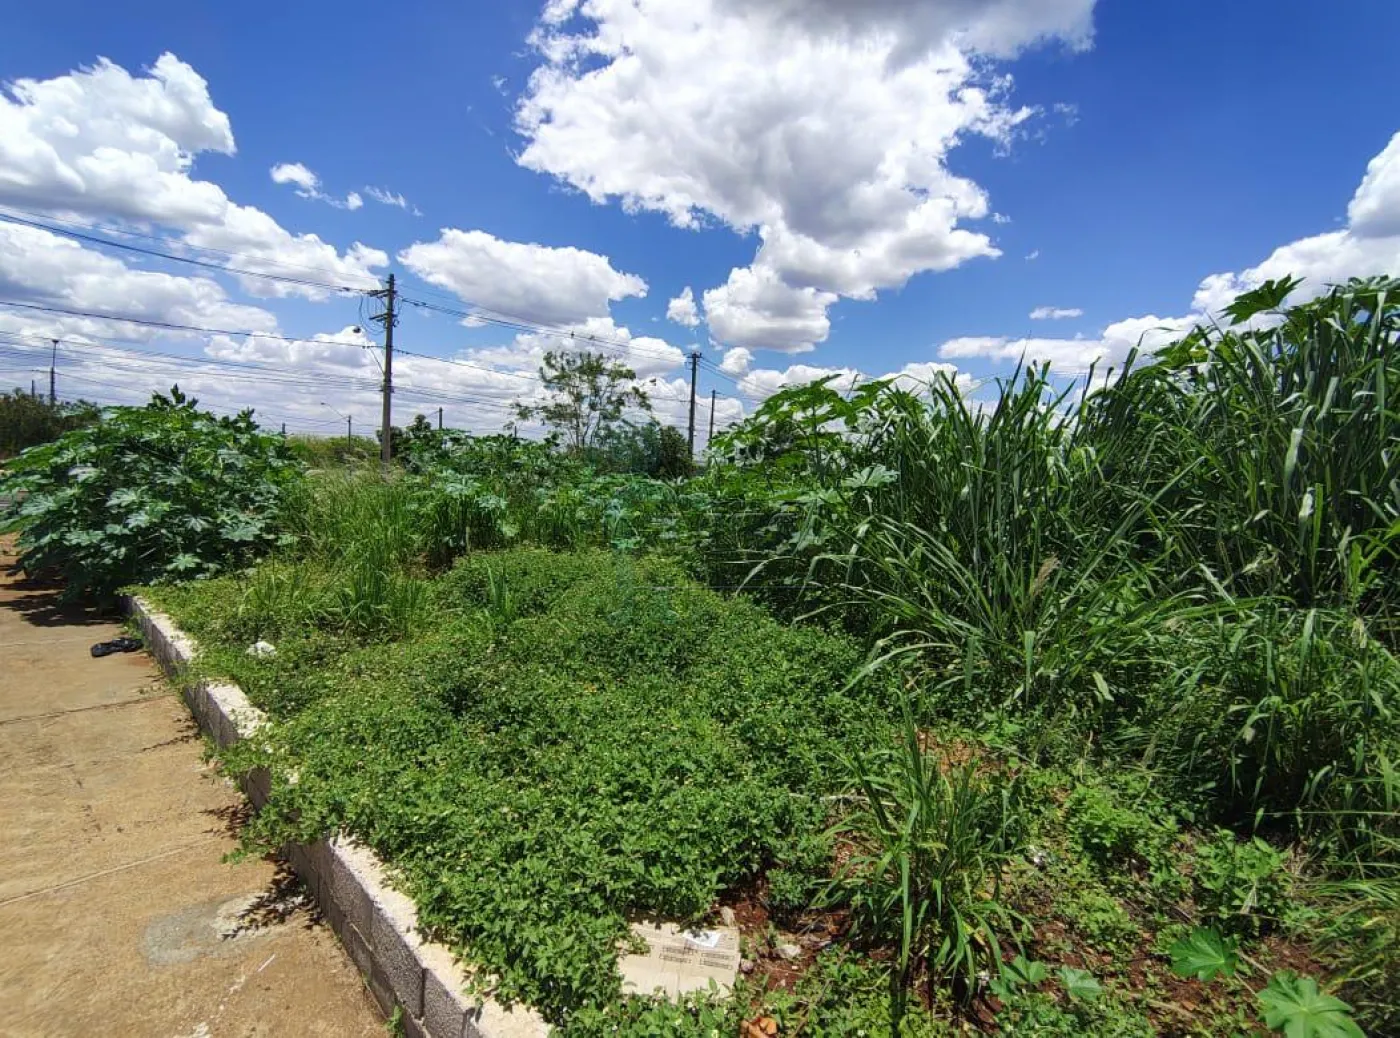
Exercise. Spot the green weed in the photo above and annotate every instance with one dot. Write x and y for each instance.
(928, 838)
(1243, 886)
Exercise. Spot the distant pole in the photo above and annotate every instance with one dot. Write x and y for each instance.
(284, 430)
(34, 389)
(53, 362)
(439, 419)
(713, 392)
(349, 431)
(389, 294)
(694, 368)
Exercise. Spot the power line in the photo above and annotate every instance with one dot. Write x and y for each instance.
(170, 326)
(264, 374)
(219, 267)
(487, 316)
(57, 226)
(483, 314)
(480, 313)
(158, 359)
(715, 369)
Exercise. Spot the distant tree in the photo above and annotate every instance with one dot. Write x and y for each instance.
(626, 446)
(673, 460)
(645, 449)
(588, 393)
(27, 420)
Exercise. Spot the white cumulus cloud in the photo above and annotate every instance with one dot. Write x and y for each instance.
(737, 361)
(682, 310)
(539, 283)
(306, 181)
(761, 383)
(101, 143)
(756, 308)
(1369, 244)
(308, 185)
(50, 270)
(835, 155)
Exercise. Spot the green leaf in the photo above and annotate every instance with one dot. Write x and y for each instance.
(1026, 971)
(1080, 985)
(1018, 973)
(1268, 296)
(1205, 955)
(1293, 1005)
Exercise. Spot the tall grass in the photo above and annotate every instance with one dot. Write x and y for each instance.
(1195, 563)
(1296, 425)
(358, 538)
(927, 839)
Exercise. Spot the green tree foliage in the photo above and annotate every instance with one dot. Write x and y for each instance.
(673, 459)
(27, 420)
(588, 393)
(645, 449)
(152, 493)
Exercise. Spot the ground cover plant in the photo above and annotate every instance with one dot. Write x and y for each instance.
(568, 741)
(1046, 711)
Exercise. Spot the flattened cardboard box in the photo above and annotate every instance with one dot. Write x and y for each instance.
(679, 961)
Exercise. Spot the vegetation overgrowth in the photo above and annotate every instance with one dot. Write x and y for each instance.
(1057, 710)
(27, 420)
(159, 492)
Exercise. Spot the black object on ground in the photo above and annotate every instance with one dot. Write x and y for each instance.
(122, 644)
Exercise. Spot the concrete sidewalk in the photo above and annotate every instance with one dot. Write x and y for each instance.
(117, 915)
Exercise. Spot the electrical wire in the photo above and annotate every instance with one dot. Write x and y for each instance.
(485, 315)
(81, 231)
(170, 326)
(478, 313)
(165, 363)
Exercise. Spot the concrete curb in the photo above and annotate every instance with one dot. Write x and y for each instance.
(377, 925)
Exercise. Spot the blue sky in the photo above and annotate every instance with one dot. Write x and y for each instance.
(1118, 155)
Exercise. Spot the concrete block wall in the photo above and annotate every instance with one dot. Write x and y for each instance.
(377, 925)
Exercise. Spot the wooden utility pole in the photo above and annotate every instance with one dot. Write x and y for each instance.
(53, 363)
(439, 419)
(694, 367)
(713, 392)
(388, 318)
(349, 431)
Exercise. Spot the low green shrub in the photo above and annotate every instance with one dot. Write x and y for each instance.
(1112, 834)
(155, 493)
(1241, 885)
(620, 743)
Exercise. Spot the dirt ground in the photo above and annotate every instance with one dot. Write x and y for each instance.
(118, 915)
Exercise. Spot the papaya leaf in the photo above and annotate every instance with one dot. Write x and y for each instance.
(1205, 955)
(1295, 1006)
